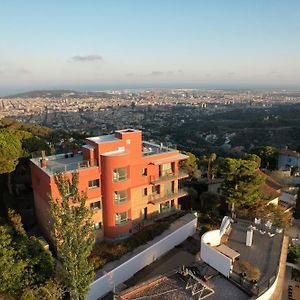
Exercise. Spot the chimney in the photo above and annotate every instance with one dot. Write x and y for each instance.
(249, 237)
(43, 162)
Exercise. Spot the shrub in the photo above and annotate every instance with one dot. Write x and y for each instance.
(293, 253)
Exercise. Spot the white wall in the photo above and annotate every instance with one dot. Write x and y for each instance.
(123, 272)
(213, 257)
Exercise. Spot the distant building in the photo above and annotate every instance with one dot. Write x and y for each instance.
(288, 159)
(128, 182)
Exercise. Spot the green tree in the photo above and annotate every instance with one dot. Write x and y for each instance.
(241, 186)
(12, 266)
(73, 235)
(210, 170)
(10, 152)
(23, 260)
(51, 290)
(190, 165)
(16, 222)
(210, 201)
(268, 156)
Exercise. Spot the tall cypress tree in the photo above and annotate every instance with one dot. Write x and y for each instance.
(73, 235)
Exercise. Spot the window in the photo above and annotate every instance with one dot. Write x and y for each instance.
(172, 203)
(163, 207)
(120, 196)
(97, 226)
(166, 169)
(156, 189)
(95, 205)
(119, 174)
(94, 183)
(169, 187)
(121, 218)
(144, 172)
(145, 192)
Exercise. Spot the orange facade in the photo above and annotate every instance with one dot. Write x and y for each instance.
(128, 182)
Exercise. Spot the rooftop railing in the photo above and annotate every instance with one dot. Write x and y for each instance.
(152, 149)
(157, 198)
(71, 166)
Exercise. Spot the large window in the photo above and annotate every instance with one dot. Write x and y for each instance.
(164, 207)
(120, 174)
(120, 196)
(166, 169)
(94, 183)
(169, 187)
(121, 218)
(156, 189)
(95, 205)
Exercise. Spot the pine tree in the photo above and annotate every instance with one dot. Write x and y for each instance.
(73, 235)
(241, 186)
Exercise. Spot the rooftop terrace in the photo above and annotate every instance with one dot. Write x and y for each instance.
(264, 253)
(63, 163)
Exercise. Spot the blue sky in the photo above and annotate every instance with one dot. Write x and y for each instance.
(96, 44)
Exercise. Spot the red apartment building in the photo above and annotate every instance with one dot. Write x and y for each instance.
(128, 182)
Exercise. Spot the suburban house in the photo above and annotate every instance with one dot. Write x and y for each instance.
(288, 159)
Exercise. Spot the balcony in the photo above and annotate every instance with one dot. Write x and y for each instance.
(168, 176)
(157, 198)
(149, 149)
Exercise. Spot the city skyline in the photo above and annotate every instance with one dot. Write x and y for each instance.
(111, 44)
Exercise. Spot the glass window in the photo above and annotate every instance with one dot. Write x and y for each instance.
(97, 226)
(120, 196)
(119, 174)
(169, 187)
(166, 169)
(121, 218)
(164, 206)
(94, 183)
(144, 172)
(144, 191)
(156, 189)
(95, 205)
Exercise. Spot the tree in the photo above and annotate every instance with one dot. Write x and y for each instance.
(12, 266)
(210, 201)
(268, 156)
(73, 235)
(23, 260)
(190, 165)
(10, 151)
(51, 290)
(210, 173)
(241, 186)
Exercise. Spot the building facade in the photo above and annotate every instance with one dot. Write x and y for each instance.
(288, 159)
(128, 182)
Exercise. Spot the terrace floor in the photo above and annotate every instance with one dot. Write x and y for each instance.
(264, 252)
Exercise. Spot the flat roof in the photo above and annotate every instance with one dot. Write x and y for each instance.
(264, 252)
(62, 163)
(103, 138)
